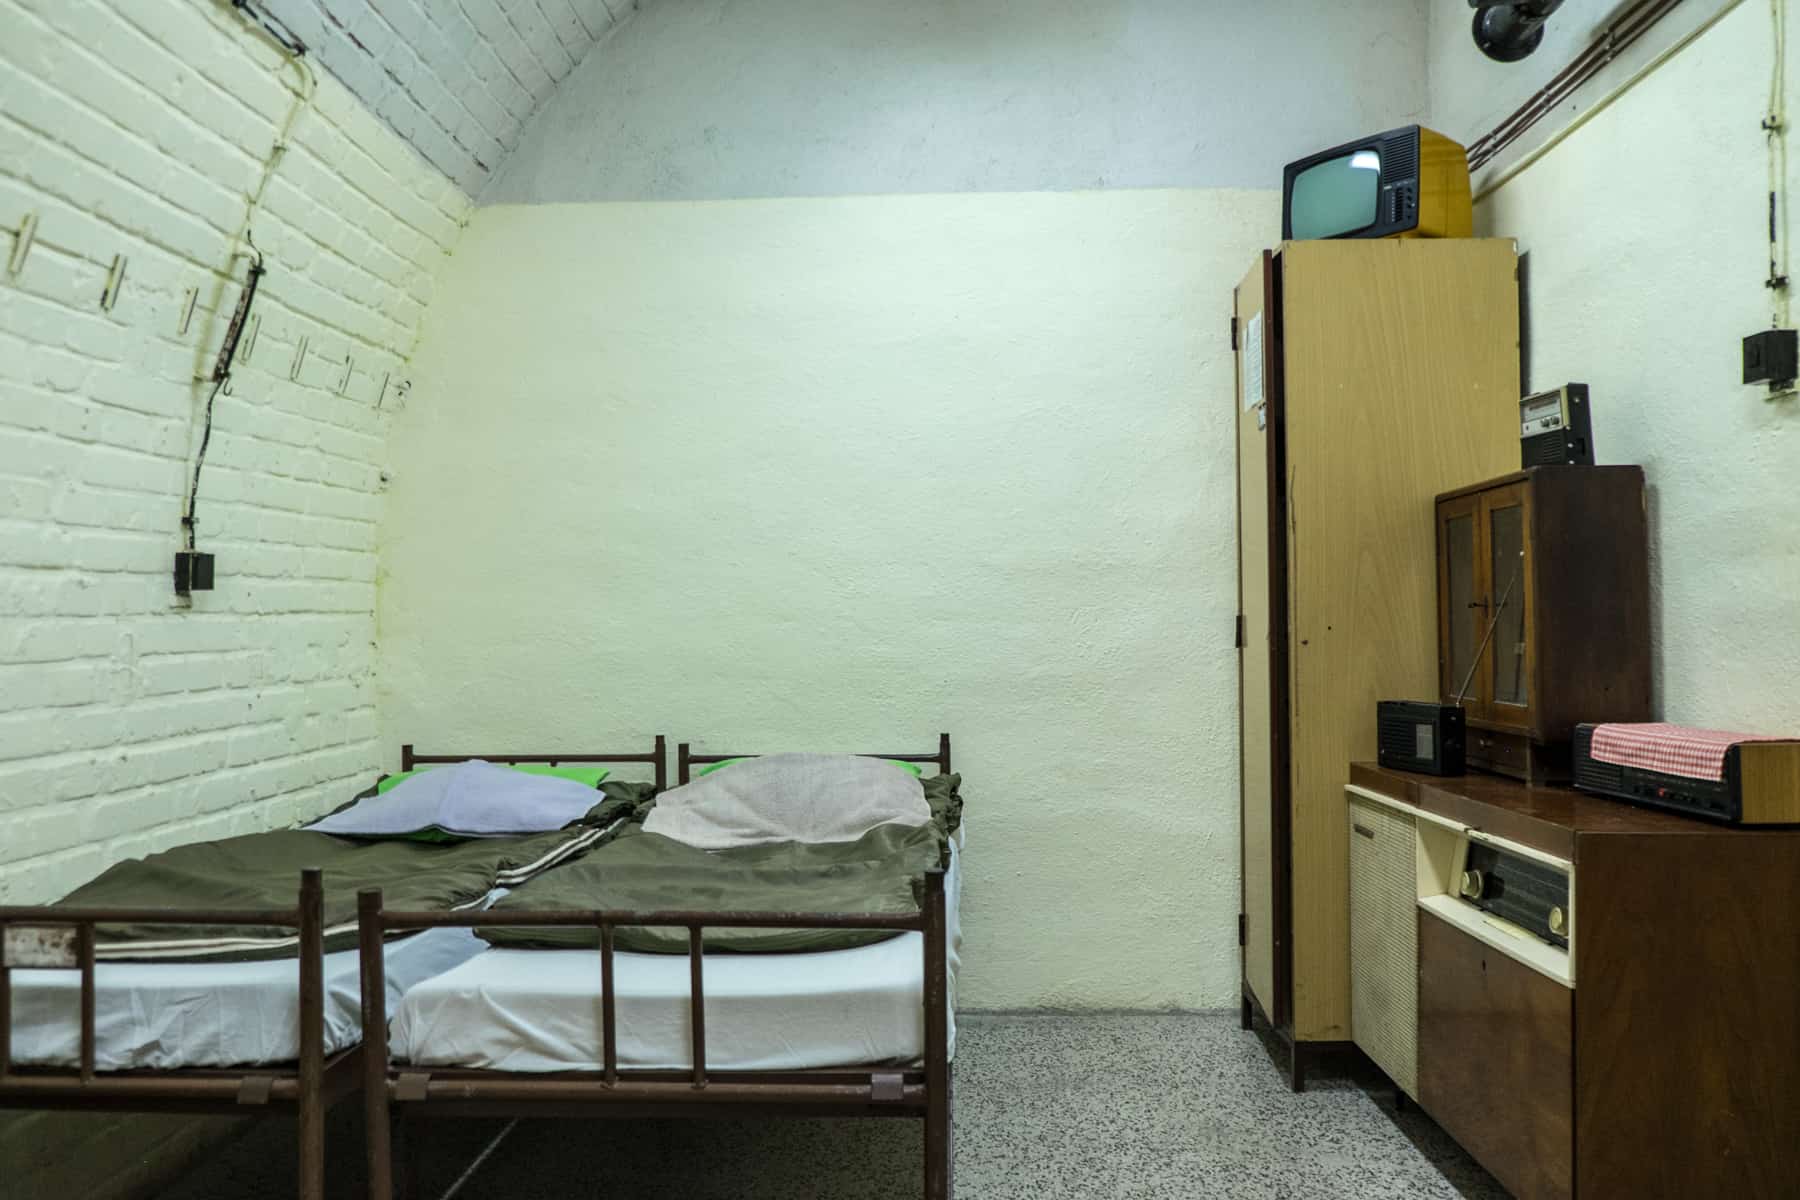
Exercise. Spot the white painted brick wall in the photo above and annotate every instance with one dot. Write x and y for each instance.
(130, 721)
(456, 78)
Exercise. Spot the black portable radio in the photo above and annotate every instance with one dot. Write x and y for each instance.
(1418, 735)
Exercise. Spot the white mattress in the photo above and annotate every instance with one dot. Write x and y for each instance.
(158, 1015)
(539, 1010)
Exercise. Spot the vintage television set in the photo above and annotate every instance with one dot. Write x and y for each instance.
(1407, 182)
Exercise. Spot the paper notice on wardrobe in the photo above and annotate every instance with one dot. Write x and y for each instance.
(1253, 363)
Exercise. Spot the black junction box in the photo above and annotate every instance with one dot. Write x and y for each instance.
(193, 572)
(1769, 356)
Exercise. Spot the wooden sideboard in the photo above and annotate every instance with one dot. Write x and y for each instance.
(1659, 1055)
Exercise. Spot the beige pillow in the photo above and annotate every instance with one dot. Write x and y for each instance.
(790, 798)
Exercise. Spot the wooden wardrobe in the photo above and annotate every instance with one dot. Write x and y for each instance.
(1371, 376)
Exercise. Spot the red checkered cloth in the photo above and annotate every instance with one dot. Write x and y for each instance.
(1671, 749)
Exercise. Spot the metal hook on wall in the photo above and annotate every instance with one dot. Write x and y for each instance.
(27, 233)
(115, 279)
(249, 342)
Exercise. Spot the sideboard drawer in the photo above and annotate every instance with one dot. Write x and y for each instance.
(1496, 1059)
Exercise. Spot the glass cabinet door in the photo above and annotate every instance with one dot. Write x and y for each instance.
(1503, 521)
(1459, 585)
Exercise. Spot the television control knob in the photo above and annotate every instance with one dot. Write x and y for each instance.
(1559, 921)
(1471, 885)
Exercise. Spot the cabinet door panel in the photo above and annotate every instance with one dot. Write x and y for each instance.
(1460, 574)
(1496, 1060)
(1384, 940)
(1507, 663)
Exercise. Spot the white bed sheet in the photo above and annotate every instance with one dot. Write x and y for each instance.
(539, 1010)
(161, 1015)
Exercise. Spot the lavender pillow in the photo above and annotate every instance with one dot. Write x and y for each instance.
(471, 799)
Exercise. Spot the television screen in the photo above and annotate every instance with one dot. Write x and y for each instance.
(1337, 196)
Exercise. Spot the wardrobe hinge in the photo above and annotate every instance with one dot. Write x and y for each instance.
(1234, 333)
(1239, 637)
(1243, 930)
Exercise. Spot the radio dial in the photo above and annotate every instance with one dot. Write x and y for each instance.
(1559, 921)
(1472, 884)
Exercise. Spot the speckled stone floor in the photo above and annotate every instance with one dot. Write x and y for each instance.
(1049, 1107)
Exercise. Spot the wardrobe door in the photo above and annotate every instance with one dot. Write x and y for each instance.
(1261, 628)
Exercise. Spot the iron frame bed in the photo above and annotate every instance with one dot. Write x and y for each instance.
(394, 1094)
(63, 937)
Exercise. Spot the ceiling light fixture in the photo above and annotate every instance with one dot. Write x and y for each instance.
(1508, 32)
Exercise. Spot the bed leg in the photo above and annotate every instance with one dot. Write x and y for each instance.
(940, 1143)
(377, 1110)
(310, 1103)
(938, 1151)
(312, 1145)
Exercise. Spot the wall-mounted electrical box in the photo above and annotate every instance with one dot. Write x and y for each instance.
(193, 572)
(1769, 357)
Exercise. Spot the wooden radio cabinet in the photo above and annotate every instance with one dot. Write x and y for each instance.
(1653, 1056)
(1543, 611)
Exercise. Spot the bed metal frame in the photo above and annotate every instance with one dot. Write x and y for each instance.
(659, 759)
(686, 759)
(62, 937)
(396, 1093)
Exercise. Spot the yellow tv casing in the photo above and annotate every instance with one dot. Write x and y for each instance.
(1446, 208)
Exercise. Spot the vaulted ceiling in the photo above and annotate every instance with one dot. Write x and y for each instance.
(456, 78)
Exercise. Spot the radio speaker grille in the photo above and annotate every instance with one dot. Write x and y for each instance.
(1590, 773)
(1402, 159)
(1384, 941)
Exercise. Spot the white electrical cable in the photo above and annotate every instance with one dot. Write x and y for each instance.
(303, 98)
(1775, 125)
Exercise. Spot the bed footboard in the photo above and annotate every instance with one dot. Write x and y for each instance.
(62, 938)
(875, 1091)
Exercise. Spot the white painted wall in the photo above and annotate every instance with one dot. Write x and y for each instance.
(128, 721)
(1646, 232)
(1470, 93)
(838, 474)
(456, 80)
(714, 99)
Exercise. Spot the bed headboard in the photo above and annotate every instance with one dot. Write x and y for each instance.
(686, 759)
(657, 758)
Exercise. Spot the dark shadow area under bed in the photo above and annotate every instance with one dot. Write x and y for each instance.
(1049, 1106)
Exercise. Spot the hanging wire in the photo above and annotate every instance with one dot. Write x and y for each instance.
(221, 377)
(1775, 129)
(1775, 133)
(244, 245)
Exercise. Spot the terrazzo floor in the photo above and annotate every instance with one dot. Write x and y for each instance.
(1048, 1107)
